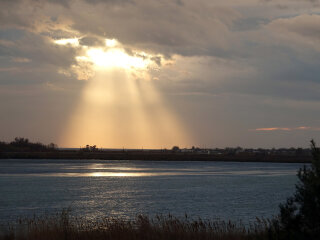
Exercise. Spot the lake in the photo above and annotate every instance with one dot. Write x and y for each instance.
(97, 188)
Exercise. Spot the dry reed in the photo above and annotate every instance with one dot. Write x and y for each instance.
(63, 226)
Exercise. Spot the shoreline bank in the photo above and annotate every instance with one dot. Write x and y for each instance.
(150, 156)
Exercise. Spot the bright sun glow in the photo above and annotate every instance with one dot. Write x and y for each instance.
(110, 56)
(65, 41)
(111, 42)
(115, 58)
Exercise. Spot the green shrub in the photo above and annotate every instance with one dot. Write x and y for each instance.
(300, 216)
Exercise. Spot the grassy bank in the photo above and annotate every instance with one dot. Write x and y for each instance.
(150, 156)
(63, 226)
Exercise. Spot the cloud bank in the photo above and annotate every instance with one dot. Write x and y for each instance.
(223, 68)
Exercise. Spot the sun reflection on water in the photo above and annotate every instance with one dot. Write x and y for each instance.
(173, 172)
(118, 174)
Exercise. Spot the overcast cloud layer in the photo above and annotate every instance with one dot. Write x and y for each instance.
(237, 73)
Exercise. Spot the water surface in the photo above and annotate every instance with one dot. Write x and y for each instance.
(97, 188)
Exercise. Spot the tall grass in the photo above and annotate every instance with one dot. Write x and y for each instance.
(63, 226)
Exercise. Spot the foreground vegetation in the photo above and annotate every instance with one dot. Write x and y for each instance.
(300, 216)
(63, 226)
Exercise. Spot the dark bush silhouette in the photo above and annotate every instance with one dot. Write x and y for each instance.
(175, 149)
(89, 148)
(21, 144)
(300, 215)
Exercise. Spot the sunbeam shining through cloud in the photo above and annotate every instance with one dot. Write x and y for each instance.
(119, 108)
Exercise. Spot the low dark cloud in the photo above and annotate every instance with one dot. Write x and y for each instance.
(306, 26)
(92, 41)
(40, 50)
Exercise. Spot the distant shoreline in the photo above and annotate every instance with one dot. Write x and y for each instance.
(152, 156)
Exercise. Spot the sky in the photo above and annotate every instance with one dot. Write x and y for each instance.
(159, 73)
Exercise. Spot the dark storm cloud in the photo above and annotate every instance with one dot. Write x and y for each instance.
(186, 28)
(168, 27)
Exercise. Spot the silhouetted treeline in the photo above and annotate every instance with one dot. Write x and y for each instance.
(24, 149)
(239, 151)
(89, 148)
(24, 145)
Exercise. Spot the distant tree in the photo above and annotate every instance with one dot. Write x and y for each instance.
(300, 215)
(3, 146)
(175, 149)
(52, 146)
(93, 148)
(19, 141)
(89, 148)
(23, 144)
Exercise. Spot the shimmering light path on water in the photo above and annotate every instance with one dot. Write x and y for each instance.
(96, 188)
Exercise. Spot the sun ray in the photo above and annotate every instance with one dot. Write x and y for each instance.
(117, 109)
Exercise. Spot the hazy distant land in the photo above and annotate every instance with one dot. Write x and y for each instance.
(22, 148)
